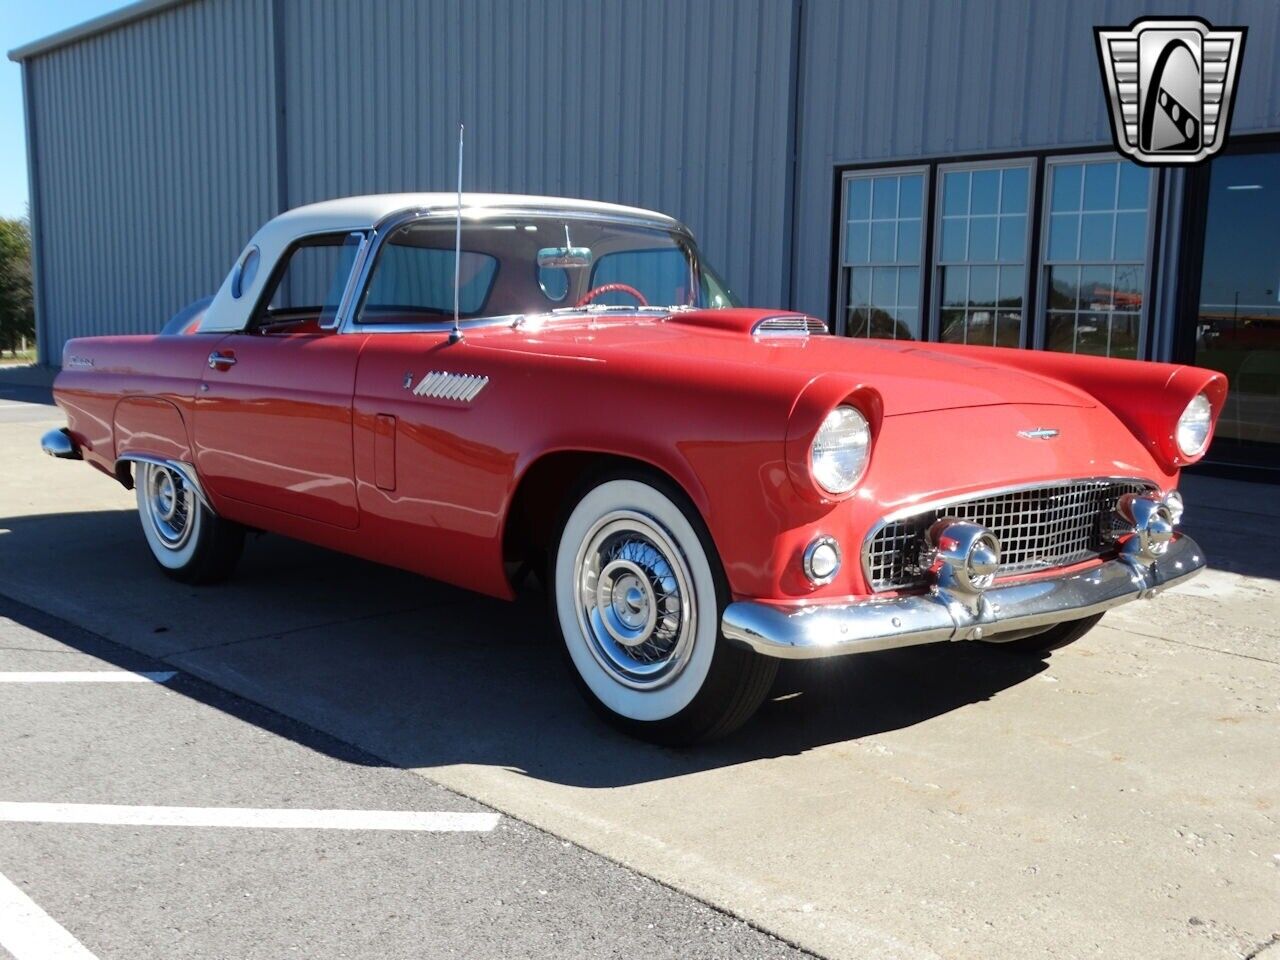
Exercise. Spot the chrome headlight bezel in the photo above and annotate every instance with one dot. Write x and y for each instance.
(1194, 427)
(840, 450)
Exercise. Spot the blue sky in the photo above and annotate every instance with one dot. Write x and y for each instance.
(22, 21)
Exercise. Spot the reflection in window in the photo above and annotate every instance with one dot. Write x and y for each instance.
(982, 251)
(662, 276)
(1095, 257)
(415, 283)
(882, 247)
(315, 275)
(1238, 323)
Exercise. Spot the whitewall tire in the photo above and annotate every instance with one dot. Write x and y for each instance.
(187, 540)
(638, 592)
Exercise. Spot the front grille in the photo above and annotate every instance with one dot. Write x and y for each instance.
(1038, 528)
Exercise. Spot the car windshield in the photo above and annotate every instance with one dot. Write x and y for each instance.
(518, 265)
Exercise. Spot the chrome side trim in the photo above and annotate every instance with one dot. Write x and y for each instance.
(928, 506)
(834, 629)
(186, 470)
(58, 443)
(350, 292)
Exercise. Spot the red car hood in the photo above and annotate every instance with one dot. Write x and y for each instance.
(909, 377)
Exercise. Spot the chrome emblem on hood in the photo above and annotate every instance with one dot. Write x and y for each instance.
(1039, 433)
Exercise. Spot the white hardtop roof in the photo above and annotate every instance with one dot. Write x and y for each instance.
(228, 312)
(361, 213)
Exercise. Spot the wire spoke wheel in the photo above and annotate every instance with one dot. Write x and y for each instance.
(635, 600)
(169, 505)
(638, 594)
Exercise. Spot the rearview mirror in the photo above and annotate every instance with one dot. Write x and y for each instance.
(565, 257)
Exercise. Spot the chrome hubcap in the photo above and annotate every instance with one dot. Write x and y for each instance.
(170, 505)
(635, 600)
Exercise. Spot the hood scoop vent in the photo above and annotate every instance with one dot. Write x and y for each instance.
(761, 324)
(788, 325)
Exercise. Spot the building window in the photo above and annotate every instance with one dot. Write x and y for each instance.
(1237, 327)
(981, 254)
(882, 249)
(1095, 249)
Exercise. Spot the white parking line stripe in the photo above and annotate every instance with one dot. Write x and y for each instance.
(111, 815)
(86, 676)
(28, 933)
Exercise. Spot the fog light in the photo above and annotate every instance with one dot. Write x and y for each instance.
(1173, 503)
(822, 560)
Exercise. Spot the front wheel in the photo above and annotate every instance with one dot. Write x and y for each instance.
(638, 591)
(190, 542)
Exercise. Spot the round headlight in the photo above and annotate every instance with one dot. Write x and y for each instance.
(840, 450)
(1193, 426)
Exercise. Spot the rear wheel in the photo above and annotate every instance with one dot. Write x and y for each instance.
(1054, 638)
(638, 592)
(189, 542)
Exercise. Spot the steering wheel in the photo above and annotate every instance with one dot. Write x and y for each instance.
(611, 288)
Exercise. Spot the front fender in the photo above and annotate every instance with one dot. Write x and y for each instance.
(1146, 397)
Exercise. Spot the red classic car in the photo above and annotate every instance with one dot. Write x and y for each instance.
(705, 488)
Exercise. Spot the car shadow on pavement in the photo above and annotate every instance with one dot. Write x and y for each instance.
(415, 674)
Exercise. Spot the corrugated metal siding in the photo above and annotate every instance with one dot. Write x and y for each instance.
(678, 105)
(916, 78)
(156, 160)
(158, 154)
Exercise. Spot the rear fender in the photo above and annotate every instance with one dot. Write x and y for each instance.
(150, 427)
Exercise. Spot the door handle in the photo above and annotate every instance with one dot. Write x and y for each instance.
(221, 361)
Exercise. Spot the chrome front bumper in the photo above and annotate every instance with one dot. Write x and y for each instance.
(829, 630)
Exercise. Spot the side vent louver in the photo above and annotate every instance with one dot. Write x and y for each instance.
(788, 325)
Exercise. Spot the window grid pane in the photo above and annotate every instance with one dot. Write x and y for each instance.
(882, 254)
(1095, 257)
(981, 265)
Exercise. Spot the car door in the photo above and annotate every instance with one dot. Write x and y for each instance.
(273, 412)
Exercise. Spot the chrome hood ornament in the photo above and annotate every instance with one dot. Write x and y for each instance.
(1040, 433)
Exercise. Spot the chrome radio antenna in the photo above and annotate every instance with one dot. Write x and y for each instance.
(455, 334)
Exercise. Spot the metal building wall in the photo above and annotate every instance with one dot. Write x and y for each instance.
(677, 105)
(162, 143)
(153, 160)
(927, 78)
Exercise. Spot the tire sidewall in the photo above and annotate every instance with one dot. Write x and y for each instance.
(660, 704)
(170, 559)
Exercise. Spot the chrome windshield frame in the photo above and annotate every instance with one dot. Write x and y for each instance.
(367, 257)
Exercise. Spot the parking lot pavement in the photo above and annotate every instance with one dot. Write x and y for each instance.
(1119, 799)
(398, 880)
